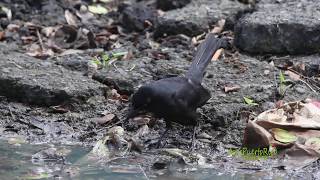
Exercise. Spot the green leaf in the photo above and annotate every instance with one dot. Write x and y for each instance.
(95, 60)
(282, 78)
(249, 101)
(38, 176)
(106, 57)
(119, 54)
(98, 9)
(283, 135)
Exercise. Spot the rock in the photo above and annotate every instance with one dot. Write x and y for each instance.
(196, 17)
(171, 4)
(300, 90)
(34, 81)
(74, 62)
(135, 17)
(121, 78)
(286, 27)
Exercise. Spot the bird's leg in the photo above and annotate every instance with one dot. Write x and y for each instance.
(168, 126)
(161, 137)
(193, 141)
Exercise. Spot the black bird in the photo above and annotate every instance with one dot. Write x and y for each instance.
(176, 99)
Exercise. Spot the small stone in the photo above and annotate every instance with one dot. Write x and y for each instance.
(300, 90)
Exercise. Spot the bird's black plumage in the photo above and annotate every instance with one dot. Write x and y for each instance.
(176, 99)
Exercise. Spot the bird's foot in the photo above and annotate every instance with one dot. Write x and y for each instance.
(161, 138)
(193, 141)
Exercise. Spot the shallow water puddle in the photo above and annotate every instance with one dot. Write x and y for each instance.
(29, 161)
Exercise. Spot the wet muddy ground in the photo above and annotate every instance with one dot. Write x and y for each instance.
(49, 95)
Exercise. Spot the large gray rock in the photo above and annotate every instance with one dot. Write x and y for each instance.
(196, 17)
(171, 4)
(35, 81)
(289, 27)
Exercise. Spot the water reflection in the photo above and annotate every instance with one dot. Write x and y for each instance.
(25, 161)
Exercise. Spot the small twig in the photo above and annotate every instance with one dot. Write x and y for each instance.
(308, 85)
(108, 127)
(12, 115)
(315, 83)
(144, 173)
(217, 54)
(275, 84)
(40, 40)
(17, 65)
(302, 76)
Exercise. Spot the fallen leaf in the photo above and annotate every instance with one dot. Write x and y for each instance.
(231, 88)
(299, 156)
(58, 109)
(279, 103)
(70, 18)
(2, 35)
(98, 9)
(283, 135)
(106, 118)
(219, 27)
(13, 27)
(293, 76)
(313, 142)
(249, 101)
(141, 120)
(116, 130)
(144, 130)
(256, 136)
(27, 39)
(49, 31)
(100, 149)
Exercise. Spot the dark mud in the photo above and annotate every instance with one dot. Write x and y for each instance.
(54, 101)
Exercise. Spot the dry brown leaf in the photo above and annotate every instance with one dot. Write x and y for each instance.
(107, 118)
(279, 103)
(2, 35)
(299, 156)
(13, 27)
(36, 51)
(113, 37)
(256, 136)
(231, 88)
(217, 54)
(292, 75)
(49, 31)
(27, 39)
(141, 120)
(70, 18)
(114, 94)
(142, 131)
(219, 27)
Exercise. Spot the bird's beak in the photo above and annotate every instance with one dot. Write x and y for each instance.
(132, 112)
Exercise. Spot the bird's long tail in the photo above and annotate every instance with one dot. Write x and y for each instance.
(203, 57)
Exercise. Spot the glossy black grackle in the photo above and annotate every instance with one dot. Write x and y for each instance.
(176, 99)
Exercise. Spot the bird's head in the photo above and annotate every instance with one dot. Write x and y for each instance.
(140, 101)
